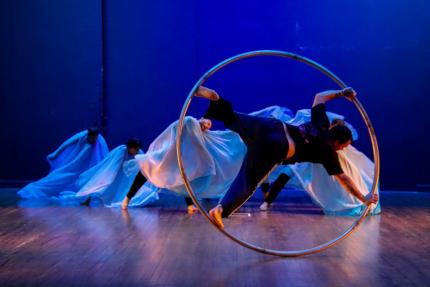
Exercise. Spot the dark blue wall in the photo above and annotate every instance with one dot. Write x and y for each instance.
(151, 64)
(156, 50)
(50, 79)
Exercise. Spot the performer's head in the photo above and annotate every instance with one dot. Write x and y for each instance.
(340, 135)
(336, 122)
(133, 146)
(93, 133)
(205, 124)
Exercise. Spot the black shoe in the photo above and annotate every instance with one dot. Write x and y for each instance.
(86, 202)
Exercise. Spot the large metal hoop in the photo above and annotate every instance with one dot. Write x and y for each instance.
(341, 84)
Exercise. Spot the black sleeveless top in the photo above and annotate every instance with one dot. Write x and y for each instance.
(313, 143)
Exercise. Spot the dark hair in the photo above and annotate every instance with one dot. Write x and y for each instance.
(133, 143)
(93, 131)
(341, 133)
(336, 122)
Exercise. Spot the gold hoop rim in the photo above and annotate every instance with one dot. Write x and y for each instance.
(357, 104)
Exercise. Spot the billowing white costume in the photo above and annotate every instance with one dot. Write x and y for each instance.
(212, 160)
(72, 158)
(323, 189)
(110, 181)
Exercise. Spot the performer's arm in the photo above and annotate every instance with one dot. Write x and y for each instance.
(324, 97)
(349, 185)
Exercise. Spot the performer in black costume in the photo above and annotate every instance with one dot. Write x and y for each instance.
(271, 192)
(270, 142)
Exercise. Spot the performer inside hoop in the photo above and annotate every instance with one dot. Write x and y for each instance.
(270, 142)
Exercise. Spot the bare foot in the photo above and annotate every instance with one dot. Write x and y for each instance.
(191, 209)
(215, 213)
(206, 93)
(126, 216)
(124, 204)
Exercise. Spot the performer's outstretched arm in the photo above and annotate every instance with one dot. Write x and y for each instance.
(349, 185)
(323, 97)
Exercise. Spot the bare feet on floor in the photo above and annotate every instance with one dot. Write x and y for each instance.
(216, 215)
(124, 204)
(206, 93)
(191, 209)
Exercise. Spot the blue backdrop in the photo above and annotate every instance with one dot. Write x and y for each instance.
(51, 55)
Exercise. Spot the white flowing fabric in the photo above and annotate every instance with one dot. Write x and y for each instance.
(301, 117)
(110, 180)
(72, 158)
(323, 189)
(212, 160)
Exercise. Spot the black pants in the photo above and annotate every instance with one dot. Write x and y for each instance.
(276, 187)
(265, 187)
(140, 180)
(266, 145)
(188, 201)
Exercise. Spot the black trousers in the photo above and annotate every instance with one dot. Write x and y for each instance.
(265, 187)
(140, 180)
(267, 146)
(276, 187)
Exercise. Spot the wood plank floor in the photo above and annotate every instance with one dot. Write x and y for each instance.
(50, 245)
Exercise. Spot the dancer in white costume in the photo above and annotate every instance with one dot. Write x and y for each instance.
(110, 179)
(74, 156)
(160, 165)
(212, 160)
(323, 189)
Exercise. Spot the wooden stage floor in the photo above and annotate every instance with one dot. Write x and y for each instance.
(50, 245)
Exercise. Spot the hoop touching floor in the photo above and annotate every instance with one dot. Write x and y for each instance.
(277, 143)
(356, 103)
